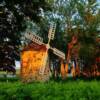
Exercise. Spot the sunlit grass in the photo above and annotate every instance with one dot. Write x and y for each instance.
(52, 90)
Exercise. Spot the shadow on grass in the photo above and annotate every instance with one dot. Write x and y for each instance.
(58, 80)
(71, 79)
(3, 79)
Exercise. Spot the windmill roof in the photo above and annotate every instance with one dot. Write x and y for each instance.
(34, 46)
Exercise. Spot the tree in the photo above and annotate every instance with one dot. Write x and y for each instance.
(13, 15)
(80, 18)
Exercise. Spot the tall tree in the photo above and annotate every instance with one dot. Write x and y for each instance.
(13, 14)
(80, 18)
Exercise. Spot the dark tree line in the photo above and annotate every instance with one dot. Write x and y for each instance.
(12, 18)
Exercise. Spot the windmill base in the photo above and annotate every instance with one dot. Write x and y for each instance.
(36, 77)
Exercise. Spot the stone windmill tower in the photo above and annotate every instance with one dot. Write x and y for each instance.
(34, 57)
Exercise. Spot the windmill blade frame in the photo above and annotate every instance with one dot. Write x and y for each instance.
(51, 33)
(58, 52)
(33, 37)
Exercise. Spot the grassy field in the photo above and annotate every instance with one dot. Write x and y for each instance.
(52, 90)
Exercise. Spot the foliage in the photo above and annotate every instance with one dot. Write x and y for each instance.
(71, 90)
(13, 15)
(81, 18)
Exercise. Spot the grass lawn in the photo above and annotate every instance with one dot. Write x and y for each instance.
(52, 90)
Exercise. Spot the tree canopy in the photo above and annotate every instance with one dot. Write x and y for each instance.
(13, 16)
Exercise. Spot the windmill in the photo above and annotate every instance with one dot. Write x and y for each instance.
(38, 41)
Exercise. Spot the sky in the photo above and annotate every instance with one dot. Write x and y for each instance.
(17, 64)
(98, 3)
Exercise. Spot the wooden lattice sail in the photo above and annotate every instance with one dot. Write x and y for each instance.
(32, 61)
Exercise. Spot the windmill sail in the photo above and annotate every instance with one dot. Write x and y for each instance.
(34, 38)
(58, 53)
(52, 31)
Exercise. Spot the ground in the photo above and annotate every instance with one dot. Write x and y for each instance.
(13, 89)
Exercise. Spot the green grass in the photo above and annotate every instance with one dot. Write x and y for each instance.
(52, 90)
